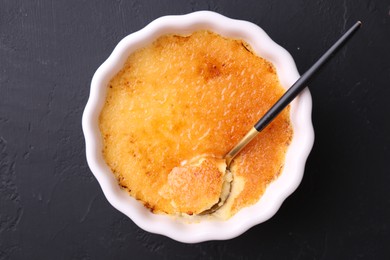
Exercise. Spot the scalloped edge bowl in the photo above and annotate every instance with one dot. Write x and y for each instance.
(275, 193)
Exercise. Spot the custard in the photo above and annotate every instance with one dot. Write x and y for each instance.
(185, 96)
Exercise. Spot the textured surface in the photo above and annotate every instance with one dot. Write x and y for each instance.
(191, 95)
(52, 207)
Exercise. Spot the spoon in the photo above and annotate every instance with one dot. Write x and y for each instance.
(288, 96)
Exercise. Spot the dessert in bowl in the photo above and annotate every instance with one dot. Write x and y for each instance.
(161, 100)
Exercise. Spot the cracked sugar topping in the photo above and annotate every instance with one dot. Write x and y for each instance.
(187, 95)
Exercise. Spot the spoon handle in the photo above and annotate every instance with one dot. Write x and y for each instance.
(300, 84)
(291, 93)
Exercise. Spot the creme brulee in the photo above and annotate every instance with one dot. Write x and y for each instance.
(182, 97)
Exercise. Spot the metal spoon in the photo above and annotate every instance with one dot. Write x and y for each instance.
(288, 96)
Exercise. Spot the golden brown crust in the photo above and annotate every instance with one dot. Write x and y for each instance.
(182, 97)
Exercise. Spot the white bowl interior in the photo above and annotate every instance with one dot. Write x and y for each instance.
(276, 192)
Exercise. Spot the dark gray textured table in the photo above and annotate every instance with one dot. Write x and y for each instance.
(51, 206)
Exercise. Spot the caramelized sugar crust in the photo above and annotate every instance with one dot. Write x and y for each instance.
(184, 96)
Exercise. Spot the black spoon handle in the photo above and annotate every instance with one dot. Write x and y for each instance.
(290, 94)
(300, 84)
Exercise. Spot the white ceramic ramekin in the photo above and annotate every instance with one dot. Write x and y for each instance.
(276, 192)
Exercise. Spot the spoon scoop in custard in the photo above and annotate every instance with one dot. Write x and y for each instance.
(198, 186)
